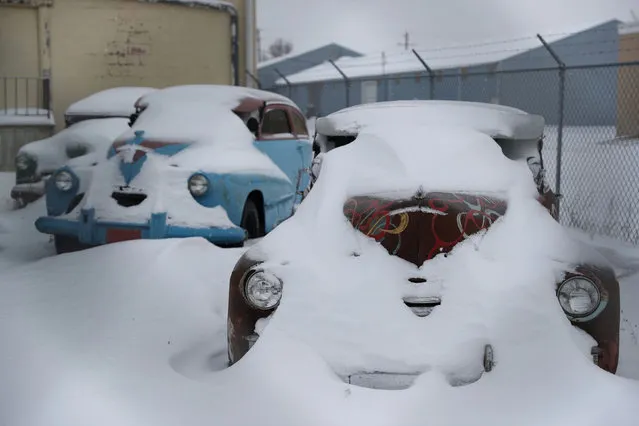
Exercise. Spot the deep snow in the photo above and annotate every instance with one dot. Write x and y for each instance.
(134, 334)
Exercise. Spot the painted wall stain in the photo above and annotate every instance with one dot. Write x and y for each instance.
(129, 48)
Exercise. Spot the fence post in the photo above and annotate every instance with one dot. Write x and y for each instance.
(431, 74)
(347, 82)
(560, 124)
(255, 79)
(288, 83)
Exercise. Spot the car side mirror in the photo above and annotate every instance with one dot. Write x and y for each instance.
(253, 125)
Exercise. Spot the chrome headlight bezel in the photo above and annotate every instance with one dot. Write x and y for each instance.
(198, 184)
(585, 285)
(63, 181)
(261, 279)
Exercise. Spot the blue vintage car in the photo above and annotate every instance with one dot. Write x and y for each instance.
(219, 162)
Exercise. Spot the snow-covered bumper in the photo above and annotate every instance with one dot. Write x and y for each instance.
(28, 192)
(88, 230)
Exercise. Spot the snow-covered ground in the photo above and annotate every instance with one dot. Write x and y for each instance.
(135, 334)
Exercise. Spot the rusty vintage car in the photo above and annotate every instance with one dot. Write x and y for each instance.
(426, 224)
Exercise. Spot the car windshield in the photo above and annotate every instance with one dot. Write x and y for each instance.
(228, 213)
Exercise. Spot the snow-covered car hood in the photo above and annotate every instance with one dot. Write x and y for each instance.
(92, 136)
(167, 144)
(354, 314)
(217, 140)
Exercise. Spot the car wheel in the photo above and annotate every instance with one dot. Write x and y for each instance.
(66, 244)
(251, 220)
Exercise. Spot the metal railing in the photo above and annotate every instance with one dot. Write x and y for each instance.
(25, 96)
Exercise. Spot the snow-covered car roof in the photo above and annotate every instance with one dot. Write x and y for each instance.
(229, 97)
(497, 121)
(116, 102)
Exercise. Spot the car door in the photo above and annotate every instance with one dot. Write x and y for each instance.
(290, 151)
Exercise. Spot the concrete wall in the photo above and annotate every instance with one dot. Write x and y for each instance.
(91, 45)
(133, 43)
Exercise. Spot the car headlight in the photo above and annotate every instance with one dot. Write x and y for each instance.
(198, 185)
(63, 181)
(22, 162)
(578, 296)
(263, 290)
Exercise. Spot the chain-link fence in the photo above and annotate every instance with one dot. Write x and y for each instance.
(591, 146)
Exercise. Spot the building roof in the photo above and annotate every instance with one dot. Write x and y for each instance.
(297, 54)
(629, 28)
(450, 57)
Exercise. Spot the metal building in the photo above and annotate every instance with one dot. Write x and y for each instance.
(522, 74)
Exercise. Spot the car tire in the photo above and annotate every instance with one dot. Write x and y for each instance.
(65, 244)
(252, 220)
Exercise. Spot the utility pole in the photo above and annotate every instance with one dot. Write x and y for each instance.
(407, 44)
(260, 55)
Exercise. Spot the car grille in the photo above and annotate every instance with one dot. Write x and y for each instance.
(75, 202)
(422, 306)
(128, 200)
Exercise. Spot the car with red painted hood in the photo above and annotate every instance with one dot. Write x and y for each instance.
(419, 180)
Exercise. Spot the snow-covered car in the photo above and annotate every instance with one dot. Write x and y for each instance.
(405, 205)
(219, 162)
(84, 135)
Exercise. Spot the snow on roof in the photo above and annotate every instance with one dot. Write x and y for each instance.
(490, 119)
(295, 54)
(220, 95)
(404, 62)
(629, 28)
(115, 102)
(26, 117)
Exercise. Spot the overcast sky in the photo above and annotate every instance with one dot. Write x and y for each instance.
(378, 25)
